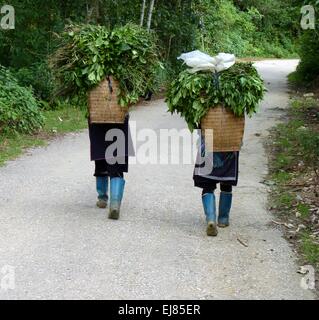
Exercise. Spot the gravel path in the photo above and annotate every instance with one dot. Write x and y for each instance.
(63, 247)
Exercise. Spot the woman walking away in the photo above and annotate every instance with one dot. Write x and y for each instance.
(111, 145)
(214, 168)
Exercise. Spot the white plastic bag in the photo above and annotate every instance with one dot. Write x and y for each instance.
(200, 61)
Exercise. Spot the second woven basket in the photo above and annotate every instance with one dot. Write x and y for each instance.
(223, 131)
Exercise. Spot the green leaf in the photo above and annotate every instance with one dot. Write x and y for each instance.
(91, 76)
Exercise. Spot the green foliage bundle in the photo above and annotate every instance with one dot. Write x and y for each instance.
(19, 110)
(90, 53)
(239, 88)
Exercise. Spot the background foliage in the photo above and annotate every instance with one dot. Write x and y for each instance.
(251, 27)
(18, 108)
(308, 48)
(269, 28)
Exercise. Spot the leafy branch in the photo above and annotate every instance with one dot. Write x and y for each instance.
(90, 53)
(239, 88)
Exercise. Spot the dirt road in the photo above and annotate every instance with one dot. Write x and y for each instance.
(63, 247)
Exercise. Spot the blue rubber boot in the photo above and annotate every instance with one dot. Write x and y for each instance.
(209, 204)
(116, 196)
(225, 203)
(102, 190)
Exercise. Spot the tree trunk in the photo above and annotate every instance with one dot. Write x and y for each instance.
(143, 13)
(150, 15)
(94, 11)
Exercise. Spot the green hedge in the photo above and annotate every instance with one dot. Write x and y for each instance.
(19, 110)
(308, 69)
(39, 77)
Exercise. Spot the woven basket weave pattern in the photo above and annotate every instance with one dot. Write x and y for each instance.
(223, 131)
(103, 105)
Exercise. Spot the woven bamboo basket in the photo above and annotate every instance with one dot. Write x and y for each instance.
(103, 105)
(223, 131)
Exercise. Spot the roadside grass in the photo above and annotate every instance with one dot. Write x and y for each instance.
(294, 164)
(11, 146)
(66, 119)
(310, 248)
(297, 80)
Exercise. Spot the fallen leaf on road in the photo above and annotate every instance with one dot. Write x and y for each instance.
(277, 222)
(287, 225)
(242, 242)
(300, 227)
(303, 270)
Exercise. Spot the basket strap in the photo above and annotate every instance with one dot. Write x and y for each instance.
(110, 84)
(216, 80)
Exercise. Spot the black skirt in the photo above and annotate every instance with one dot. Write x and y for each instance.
(111, 145)
(216, 167)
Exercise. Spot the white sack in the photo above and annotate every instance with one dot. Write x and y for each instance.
(200, 61)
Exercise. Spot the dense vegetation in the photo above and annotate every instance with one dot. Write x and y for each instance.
(308, 48)
(250, 27)
(239, 88)
(246, 28)
(90, 53)
(18, 108)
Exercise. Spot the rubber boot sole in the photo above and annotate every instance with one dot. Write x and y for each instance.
(101, 204)
(212, 230)
(223, 225)
(114, 214)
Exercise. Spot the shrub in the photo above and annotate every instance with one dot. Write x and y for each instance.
(19, 110)
(39, 77)
(308, 69)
